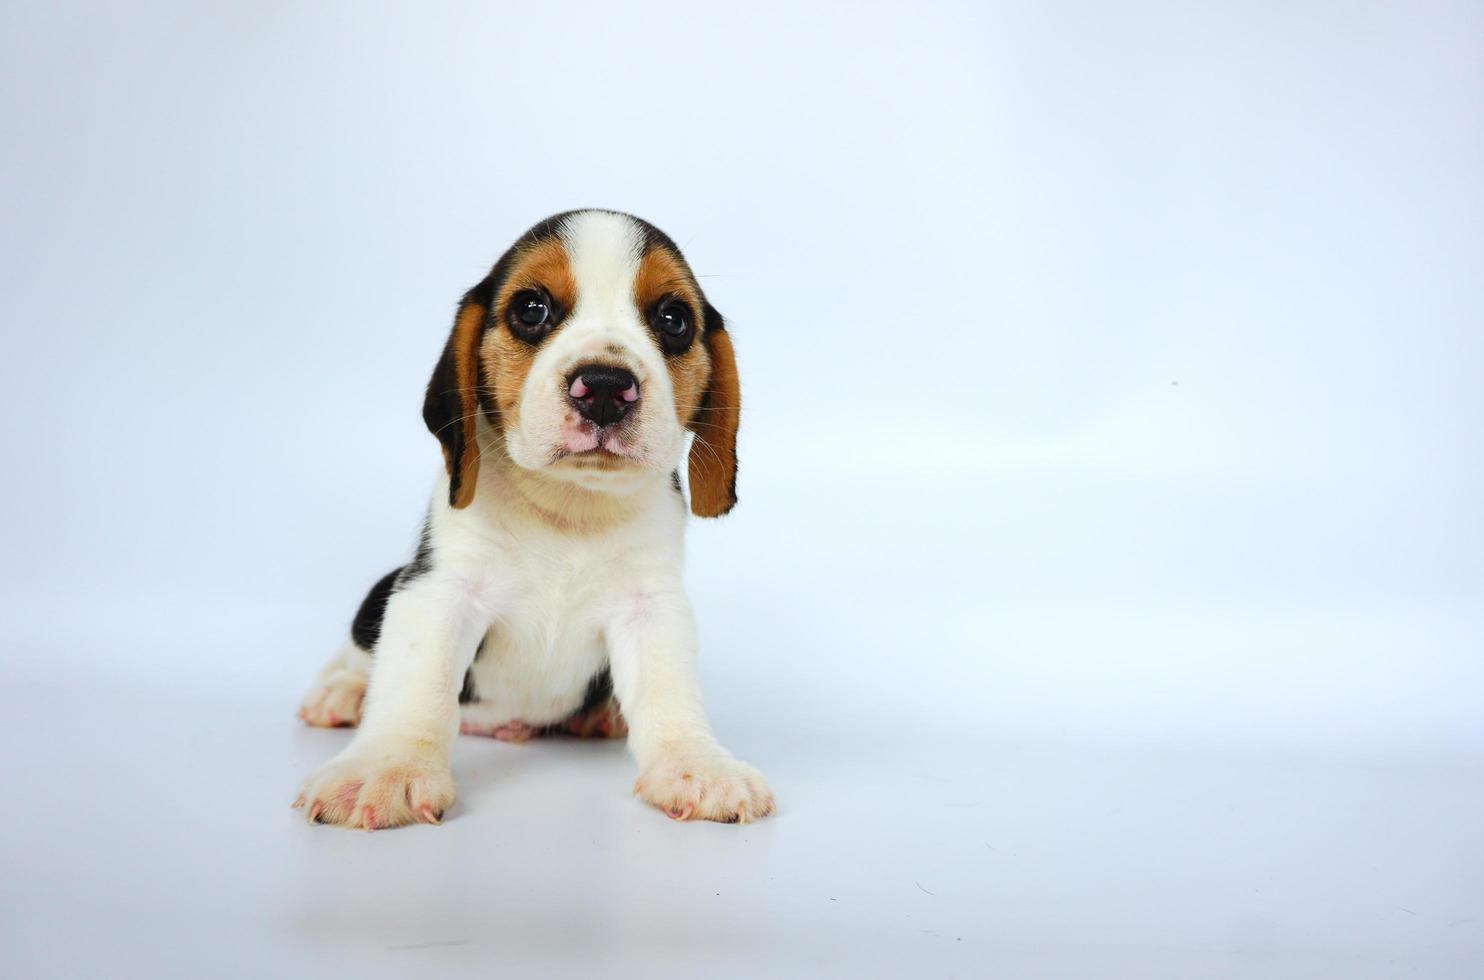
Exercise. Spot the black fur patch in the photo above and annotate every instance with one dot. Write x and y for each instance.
(442, 410)
(654, 238)
(365, 629)
(422, 561)
(469, 695)
(599, 689)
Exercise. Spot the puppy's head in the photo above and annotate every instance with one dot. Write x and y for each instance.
(591, 351)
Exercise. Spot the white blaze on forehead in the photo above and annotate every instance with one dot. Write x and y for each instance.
(603, 250)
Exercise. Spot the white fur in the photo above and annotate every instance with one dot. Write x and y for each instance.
(551, 604)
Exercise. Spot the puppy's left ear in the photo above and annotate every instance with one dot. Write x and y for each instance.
(713, 455)
(451, 406)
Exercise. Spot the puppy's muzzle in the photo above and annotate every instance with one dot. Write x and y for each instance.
(603, 394)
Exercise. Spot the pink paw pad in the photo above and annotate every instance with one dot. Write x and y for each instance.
(515, 731)
(511, 731)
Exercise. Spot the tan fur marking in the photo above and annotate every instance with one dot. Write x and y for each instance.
(507, 360)
(662, 273)
(545, 265)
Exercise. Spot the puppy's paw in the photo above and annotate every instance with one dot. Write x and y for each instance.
(604, 721)
(510, 731)
(383, 784)
(335, 700)
(706, 786)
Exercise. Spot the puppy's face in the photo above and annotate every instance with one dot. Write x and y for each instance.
(592, 351)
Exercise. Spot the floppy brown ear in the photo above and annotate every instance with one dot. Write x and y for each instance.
(452, 403)
(713, 455)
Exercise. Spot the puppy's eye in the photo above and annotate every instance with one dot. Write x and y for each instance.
(530, 314)
(532, 311)
(672, 321)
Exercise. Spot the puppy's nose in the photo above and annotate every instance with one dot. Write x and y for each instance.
(603, 394)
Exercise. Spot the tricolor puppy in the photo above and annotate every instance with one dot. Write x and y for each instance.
(546, 592)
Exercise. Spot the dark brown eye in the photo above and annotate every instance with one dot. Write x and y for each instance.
(530, 314)
(672, 321)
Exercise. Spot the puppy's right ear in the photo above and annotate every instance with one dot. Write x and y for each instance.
(452, 403)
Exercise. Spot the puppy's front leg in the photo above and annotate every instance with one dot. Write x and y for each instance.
(682, 769)
(395, 770)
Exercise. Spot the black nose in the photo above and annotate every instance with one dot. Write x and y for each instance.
(603, 394)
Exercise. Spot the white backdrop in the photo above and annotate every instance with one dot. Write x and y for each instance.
(1112, 382)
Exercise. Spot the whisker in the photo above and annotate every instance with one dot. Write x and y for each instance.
(455, 421)
(715, 456)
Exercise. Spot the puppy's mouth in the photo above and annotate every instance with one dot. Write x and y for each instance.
(594, 443)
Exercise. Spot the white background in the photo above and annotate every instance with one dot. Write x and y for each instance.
(1105, 594)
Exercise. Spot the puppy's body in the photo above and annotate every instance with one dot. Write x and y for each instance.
(547, 583)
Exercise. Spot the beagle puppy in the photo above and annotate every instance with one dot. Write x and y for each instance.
(546, 592)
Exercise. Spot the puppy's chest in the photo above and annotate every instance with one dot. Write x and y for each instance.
(537, 660)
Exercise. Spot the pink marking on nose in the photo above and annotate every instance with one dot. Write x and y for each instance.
(630, 394)
(578, 389)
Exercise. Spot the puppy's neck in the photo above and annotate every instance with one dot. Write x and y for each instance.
(550, 501)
